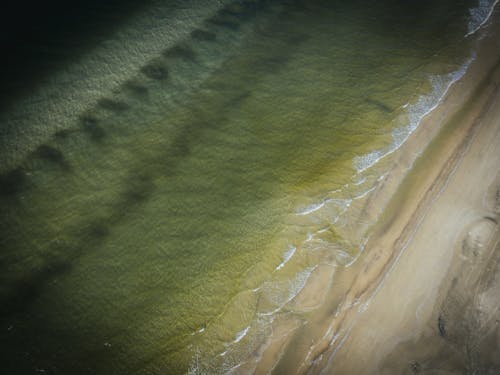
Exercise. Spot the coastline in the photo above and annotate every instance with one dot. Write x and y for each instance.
(401, 265)
(453, 229)
(163, 236)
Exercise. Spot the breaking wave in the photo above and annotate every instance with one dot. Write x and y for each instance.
(415, 113)
(480, 15)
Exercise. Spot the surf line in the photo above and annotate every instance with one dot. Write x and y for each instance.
(474, 29)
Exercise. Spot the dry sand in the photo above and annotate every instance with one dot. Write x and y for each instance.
(424, 296)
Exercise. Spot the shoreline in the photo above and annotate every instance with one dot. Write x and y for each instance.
(355, 298)
(429, 256)
(195, 235)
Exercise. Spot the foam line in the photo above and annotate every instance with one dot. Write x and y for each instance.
(480, 15)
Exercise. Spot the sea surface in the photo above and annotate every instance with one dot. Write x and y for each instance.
(171, 174)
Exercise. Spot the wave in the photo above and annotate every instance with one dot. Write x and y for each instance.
(276, 294)
(287, 256)
(480, 15)
(280, 293)
(252, 337)
(312, 208)
(239, 336)
(415, 114)
(329, 209)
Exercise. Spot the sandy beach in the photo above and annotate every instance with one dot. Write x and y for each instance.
(443, 282)
(252, 187)
(423, 297)
(440, 282)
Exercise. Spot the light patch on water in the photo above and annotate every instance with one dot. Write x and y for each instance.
(58, 103)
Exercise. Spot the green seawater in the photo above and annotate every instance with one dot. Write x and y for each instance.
(162, 230)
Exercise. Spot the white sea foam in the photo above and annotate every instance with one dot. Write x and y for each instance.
(361, 181)
(364, 162)
(329, 210)
(195, 367)
(415, 113)
(201, 330)
(241, 335)
(364, 193)
(480, 15)
(312, 208)
(280, 293)
(299, 282)
(287, 256)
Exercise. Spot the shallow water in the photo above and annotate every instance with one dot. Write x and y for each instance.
(159, 217)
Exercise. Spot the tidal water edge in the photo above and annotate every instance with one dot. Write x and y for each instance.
(172, 181)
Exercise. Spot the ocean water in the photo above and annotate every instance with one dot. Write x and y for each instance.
(171, 183)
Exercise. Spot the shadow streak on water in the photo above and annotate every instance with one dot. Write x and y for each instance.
(137, 188)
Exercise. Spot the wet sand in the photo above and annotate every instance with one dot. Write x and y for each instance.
(436, 297)
(424, 295)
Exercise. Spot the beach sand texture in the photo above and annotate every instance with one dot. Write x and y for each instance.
(424, 296)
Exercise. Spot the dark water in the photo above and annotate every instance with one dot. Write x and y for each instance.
(173, 172)
(39, 38)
